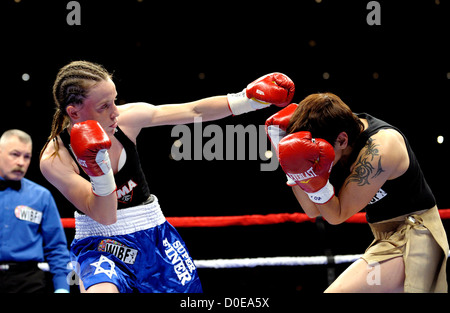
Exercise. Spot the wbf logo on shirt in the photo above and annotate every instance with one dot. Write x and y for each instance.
(28, 214)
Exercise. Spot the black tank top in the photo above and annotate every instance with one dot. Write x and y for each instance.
(132, 187)
(405, 194)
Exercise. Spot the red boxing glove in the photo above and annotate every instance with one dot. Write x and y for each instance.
(308, 162)
(277, 124)
(263, 90)
(275, 88)
(90, 144)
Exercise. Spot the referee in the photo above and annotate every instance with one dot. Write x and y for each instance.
(30, 226)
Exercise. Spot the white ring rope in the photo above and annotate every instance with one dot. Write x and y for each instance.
(269, 261)
(276, 261)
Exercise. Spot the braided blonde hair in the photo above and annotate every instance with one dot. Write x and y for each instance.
(71, 87)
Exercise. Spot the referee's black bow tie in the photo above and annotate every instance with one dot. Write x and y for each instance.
(14, 184)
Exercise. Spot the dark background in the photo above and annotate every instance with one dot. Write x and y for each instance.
(180, 51)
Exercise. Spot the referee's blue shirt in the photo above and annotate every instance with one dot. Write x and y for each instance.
(31, 230)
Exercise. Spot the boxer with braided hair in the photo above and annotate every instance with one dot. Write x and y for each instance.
(71, 86)
(123, 242)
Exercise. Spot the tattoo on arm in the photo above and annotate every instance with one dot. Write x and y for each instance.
(363, 168)
(379, 170)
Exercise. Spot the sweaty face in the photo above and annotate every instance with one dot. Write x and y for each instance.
(100, 106)
(15, 157)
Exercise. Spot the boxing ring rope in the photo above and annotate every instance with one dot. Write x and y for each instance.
(276, 261)
(256, 219)
(248, 220)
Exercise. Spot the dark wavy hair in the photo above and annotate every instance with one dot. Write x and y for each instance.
(325, 115)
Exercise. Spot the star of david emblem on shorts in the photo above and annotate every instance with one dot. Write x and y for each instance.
(99, 269)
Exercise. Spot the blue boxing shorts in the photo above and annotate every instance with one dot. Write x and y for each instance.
(141, 252)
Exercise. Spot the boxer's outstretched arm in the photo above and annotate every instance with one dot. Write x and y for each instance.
(275, 88)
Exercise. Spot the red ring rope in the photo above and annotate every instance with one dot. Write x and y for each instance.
(247, 220)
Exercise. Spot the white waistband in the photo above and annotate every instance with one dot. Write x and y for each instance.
(128, 221)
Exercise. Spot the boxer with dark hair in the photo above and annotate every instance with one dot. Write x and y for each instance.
(339, 163)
